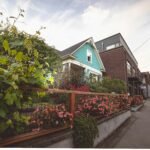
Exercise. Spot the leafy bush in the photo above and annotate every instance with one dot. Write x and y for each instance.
(108, 85)
(85, 131)
(25, 61)
(114, 85)
(97, 87)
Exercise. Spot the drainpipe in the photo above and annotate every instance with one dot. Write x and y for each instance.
(102, 46)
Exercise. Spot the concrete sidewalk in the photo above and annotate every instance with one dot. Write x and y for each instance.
(135, 133)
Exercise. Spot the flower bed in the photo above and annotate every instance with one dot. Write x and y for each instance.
(54, 116)
(102, 106)
(42, 117)
(136, 100)
(50, 117)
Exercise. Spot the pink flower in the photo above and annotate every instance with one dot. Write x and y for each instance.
(65, 115)
(60, 114)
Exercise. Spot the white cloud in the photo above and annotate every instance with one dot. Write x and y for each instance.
(64, 28)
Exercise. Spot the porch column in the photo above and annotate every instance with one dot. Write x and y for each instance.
(69, 70)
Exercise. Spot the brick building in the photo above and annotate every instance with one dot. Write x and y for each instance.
(119, 62)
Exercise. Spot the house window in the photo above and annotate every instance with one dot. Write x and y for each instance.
(93, 77)
(89, 56)
(112, 46)
(133, 72)
(128, 68)
(143, 81)
(117, 44)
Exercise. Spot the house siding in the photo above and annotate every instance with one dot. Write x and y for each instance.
(81, 56)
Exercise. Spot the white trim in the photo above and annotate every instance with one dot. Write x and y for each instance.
(97, 54)
(92, 70)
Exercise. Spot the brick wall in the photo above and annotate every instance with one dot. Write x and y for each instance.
(114, 61)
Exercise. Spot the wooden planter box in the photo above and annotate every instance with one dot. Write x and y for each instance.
(62, 137)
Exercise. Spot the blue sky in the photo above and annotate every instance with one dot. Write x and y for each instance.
(70, 21)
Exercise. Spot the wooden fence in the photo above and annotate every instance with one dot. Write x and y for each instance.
(72, 99)
(73, 95)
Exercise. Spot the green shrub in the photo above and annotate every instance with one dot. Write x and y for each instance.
(114, 85)
(97, 87)
(108, 85)
(85, 131)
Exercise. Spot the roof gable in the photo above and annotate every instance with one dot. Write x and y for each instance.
(82, 55)
(73, 48)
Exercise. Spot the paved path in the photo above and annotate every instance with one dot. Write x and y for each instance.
(135, 133)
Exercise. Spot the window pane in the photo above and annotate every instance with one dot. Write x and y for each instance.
(128, 68)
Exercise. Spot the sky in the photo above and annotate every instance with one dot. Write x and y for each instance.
(68, 22)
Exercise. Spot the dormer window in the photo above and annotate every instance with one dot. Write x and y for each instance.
(89, 56)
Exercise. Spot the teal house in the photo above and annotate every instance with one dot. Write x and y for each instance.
(82, 60)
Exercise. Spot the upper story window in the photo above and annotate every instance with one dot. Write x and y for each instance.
(89, 56)
(143, 81)
(112, 46)
(128, 68)
(133, 72)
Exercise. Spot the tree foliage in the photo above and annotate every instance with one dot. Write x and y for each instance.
(25, 60)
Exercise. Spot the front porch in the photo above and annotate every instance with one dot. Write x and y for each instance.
(77, 72)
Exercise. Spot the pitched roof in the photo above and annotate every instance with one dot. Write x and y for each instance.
(71, 49)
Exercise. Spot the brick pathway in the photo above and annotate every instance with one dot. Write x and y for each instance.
(134, 133)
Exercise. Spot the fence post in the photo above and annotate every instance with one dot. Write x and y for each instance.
(72, 106)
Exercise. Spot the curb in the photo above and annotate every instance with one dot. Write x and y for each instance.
(136, 108)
